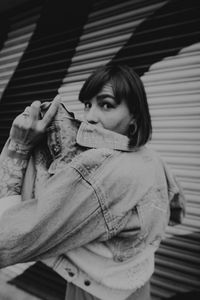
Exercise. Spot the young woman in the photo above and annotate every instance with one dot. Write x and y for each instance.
(98, 209)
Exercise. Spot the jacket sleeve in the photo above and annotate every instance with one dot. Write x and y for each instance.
(66, 214)
(176, 196)
(7, 202)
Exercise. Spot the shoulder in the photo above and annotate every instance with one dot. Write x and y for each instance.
(136, 167)
(129, 171)
(137, 163)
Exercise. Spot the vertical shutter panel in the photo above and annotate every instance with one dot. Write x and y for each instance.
(21, 29)
(172, 87)
(22, 25)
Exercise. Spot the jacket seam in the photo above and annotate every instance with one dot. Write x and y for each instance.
(104, 210)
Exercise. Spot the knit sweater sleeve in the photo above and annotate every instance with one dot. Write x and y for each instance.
(13, 163)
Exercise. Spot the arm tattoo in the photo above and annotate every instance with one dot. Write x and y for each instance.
(12, 172)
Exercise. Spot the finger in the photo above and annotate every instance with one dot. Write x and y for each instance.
(45, 105)
(26, 112)
(35, 110)
(51, 111)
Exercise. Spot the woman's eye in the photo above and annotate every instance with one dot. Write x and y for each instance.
(107, 106)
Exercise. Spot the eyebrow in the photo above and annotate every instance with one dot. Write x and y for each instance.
(103, 96)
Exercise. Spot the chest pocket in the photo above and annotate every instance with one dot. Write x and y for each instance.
(145, 225)
(153, 212)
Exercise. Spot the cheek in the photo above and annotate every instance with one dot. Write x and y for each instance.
(118, 124)
(123, 127)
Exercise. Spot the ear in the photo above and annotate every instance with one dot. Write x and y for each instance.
(132, 121)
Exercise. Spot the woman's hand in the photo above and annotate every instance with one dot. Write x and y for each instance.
(28, 128)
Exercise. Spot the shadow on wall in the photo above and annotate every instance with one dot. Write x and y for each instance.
(172, 27)
(195, 295)
(46, 59)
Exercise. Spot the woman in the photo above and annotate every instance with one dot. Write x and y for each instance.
(103, 203)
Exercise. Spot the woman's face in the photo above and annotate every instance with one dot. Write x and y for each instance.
(102, 110)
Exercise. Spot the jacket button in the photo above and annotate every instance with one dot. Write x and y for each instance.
(87, 282)
(71, 274)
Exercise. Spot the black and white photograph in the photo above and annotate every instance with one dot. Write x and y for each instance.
(99, 149)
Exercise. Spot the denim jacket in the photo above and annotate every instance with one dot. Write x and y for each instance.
(86, 190)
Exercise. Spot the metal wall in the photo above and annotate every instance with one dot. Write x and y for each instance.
(161, 41)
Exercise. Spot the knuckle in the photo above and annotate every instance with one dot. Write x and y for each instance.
(16, 122)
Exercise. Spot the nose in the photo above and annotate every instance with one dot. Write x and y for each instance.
(91, 115)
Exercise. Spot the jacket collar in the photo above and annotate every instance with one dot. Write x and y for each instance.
(92, 136)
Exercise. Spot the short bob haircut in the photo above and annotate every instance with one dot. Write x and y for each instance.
(126, 85)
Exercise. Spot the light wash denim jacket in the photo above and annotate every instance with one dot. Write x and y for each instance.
(85, 186)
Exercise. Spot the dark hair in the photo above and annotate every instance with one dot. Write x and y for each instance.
(126, 85)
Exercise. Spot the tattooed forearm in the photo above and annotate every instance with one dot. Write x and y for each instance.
(12, 171)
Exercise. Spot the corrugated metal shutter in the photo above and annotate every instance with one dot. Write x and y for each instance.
(172, 86)
(173, 91)
(22, 24)
(22, 27)
(170, 71)
(45, 61)
(108, 28)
